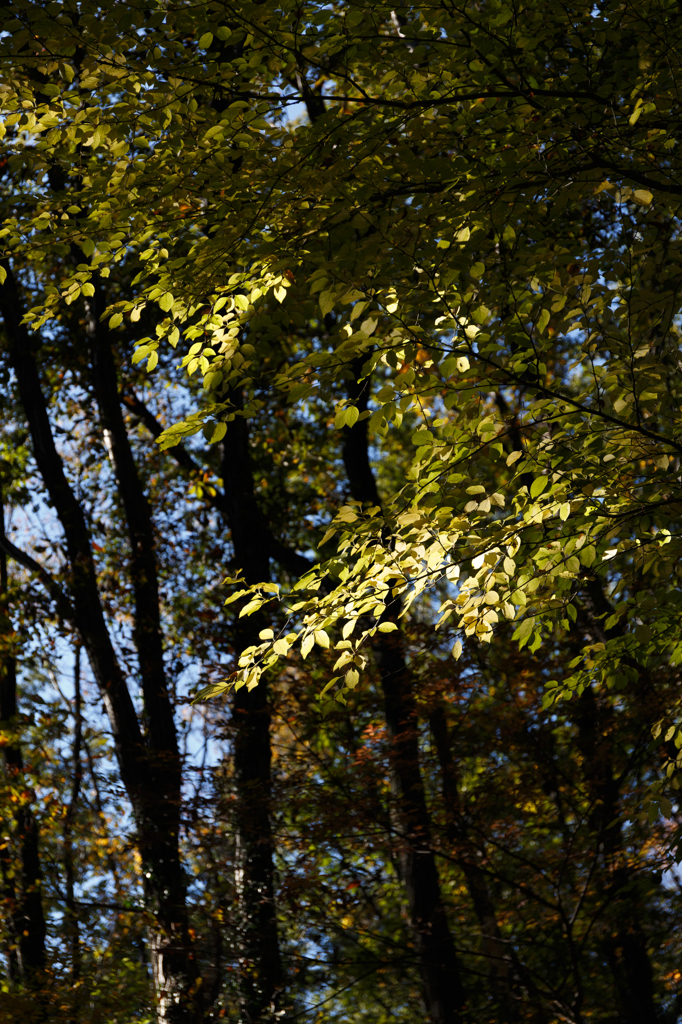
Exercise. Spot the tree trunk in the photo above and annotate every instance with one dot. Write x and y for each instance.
(438, 962)
(625, 945)
(173, 966)
(259, 957)
(501, 972)
(26, 955)
(254, 544)
(71, 915)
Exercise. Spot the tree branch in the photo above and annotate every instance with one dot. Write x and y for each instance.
(64, 606)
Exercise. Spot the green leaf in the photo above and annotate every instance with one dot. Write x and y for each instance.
(587, 555)
(212, 690)
(326, 302)
(215, 432)
(525, 629)
(543, 320)
(351, 415)
(538, 486)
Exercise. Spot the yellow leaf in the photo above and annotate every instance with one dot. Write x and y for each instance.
(352, 678)
(321, 638)
(307, 645)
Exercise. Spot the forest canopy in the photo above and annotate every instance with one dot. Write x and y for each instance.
(340, 600)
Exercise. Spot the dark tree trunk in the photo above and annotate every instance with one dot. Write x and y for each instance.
(261, 977)
(26, 956)
(438, 962)
(71, 916)
(173, 966)
(148, 758)
(501, 971)
(625, 946)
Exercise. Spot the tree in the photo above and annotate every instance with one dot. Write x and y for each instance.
(465, 252)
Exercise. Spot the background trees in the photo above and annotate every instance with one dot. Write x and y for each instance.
(421, 271)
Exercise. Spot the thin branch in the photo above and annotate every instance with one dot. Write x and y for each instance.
(64, 606)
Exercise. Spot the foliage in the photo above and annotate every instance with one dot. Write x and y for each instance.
(493, 191)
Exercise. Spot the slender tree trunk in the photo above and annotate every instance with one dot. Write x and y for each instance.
(174, 969)
(438, 962)
(625, 945)
(9, 903)
(26, 957)
(8, 711)
(72, 923)
(148, 757)
(261, 978)
(435, 948)
(501, 972)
